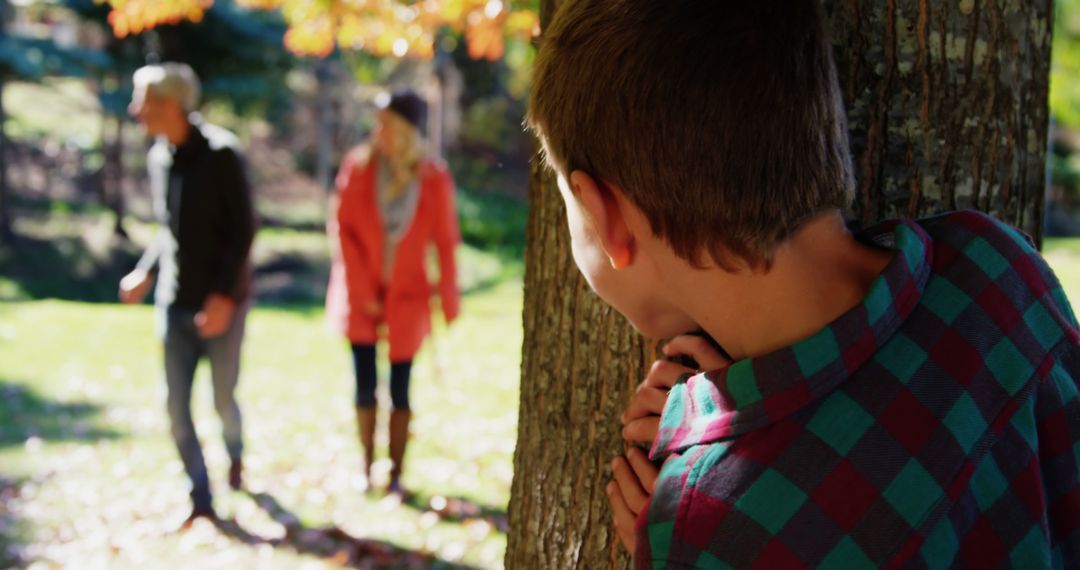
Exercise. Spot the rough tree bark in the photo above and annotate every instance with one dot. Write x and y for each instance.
(947, 105)
(580, 363)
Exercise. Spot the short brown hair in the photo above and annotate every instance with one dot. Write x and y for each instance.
(720, 119)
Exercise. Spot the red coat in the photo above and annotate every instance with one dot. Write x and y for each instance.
(355, 273)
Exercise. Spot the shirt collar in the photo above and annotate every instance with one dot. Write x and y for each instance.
(755, 392)
(195, 142)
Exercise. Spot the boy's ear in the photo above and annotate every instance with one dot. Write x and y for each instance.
(607, 216)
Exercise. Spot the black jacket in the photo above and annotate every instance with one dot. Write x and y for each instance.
(203, 201)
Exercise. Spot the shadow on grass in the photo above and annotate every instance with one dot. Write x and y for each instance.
(330, 542)
(458, 509)
(11, 532)
(62, 267)
(24, 414)
(293, 280)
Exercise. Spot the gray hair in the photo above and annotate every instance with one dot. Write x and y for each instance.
(176, 81)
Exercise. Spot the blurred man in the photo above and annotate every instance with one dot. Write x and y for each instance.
(203, 203)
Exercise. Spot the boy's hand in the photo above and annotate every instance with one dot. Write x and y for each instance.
(629, 493)
(641, 420)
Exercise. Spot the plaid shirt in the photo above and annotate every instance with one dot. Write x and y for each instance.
(935, 425)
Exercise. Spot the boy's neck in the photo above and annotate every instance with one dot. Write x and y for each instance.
(816, 276)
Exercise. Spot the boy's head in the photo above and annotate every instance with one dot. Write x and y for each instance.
(721, 120)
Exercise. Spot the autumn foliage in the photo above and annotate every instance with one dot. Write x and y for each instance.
(135, 16)
(397, 28)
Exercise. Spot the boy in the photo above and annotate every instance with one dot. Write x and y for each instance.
(903, 397)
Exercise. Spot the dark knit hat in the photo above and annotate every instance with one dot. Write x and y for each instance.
(408, 105)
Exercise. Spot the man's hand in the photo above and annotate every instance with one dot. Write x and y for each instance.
(134, 286)
(629, 493)
(641, 420)
(216, 315)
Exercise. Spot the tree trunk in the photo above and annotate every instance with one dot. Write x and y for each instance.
(325, 76)
(581, 361)
(112, 187)
(6, 234)
(947, 105)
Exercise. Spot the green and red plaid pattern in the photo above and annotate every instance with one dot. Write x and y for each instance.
(936, 425)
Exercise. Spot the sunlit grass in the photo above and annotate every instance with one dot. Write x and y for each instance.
(1063, 254)
(85, 441)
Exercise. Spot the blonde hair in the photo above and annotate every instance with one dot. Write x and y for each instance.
(406, 156)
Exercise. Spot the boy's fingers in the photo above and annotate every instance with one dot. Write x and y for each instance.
(624, 519)
(645, 470)
(648, 401)
(642, 430)
(629, 487)
(664, 374)
(697, 348)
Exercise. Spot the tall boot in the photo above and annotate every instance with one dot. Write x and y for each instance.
(365, 422)
(399, 436)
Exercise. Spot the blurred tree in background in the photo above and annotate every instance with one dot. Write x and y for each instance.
(31, 59)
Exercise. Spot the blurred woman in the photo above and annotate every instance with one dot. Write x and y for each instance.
(393, 202)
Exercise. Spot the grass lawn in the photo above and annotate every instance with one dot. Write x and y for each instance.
(90, 478)
(1063, 254)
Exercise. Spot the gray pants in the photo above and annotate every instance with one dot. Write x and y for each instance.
(183, 349)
